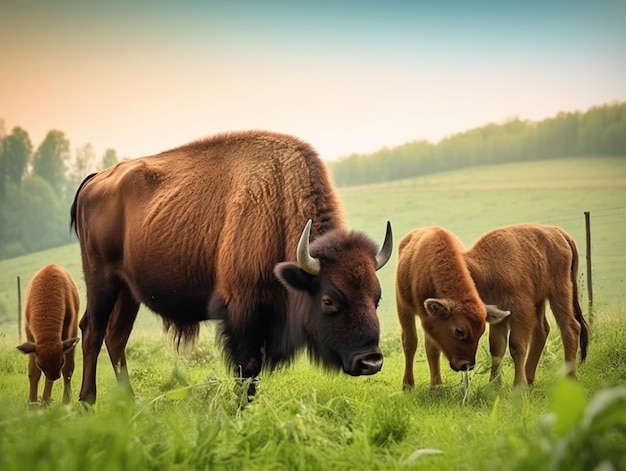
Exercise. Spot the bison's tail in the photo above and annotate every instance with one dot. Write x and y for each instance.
(73, 209)
(578, 312)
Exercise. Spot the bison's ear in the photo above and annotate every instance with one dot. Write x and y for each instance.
(495, 315)
(26, 347)
(437, 307)
(69, 343)
(294, 277)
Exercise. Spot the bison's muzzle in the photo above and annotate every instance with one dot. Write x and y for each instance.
(365, 364)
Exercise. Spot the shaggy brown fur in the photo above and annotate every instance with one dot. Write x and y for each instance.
(518, 268)
(195, 233)
(51, 327)
(433, 282)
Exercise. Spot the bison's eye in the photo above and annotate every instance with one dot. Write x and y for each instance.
(329, 305)
(459, 333)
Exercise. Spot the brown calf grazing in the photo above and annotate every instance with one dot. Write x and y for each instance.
(51, 327)
(214, 230)
(433, 282)
(518, 268)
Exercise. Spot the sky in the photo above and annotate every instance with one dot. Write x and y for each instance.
(143, 76)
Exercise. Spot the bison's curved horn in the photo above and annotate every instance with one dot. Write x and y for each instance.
(385, 251)
(309, 264)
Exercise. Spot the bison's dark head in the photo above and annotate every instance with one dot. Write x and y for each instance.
(336, 292)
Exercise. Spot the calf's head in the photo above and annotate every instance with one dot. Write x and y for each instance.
(335, 289)
(456, 327)
(49, 357)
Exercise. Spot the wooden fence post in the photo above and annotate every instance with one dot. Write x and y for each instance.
(588, 256)
(19, 309)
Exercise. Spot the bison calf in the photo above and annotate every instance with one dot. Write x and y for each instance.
(433, 282)
(51, 327)
(518, 268)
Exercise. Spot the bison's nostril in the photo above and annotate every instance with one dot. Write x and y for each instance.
(368, 364)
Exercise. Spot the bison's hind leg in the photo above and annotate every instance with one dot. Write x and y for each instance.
(118, 332)
(102, 295)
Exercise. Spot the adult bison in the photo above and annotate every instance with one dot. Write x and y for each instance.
(519, 267)
(210, 230)
(433, 282)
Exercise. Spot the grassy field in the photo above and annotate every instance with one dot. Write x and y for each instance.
(188, 416)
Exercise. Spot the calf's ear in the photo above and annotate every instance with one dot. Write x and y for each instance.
(26, 347)
(293, 277)
(69, 343)
(495, 315)
(437, 307)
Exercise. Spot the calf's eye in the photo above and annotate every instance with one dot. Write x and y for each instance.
(459, 333)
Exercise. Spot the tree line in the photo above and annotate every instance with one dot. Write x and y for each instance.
(601, 130)
(37, 188)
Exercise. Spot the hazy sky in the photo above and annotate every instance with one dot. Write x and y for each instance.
(347, 76)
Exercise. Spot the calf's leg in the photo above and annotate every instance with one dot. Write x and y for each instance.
(561, 305)
(67, 371)
(522, 327)
(433, 355)
(409, 344)
(537, 342)
(34, 374)
(498, 334)
(47, 391)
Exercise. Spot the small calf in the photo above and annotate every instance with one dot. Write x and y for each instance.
(519, 268)
(51, 327)
(434, 284)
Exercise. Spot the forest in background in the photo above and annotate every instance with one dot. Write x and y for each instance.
(37, 186)
(601, 130)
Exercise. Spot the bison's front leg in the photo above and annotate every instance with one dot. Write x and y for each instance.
(247, 375)
(244, 354)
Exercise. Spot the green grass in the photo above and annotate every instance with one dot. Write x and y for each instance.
(187, 413)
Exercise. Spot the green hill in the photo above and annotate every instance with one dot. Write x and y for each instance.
(469, 202)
